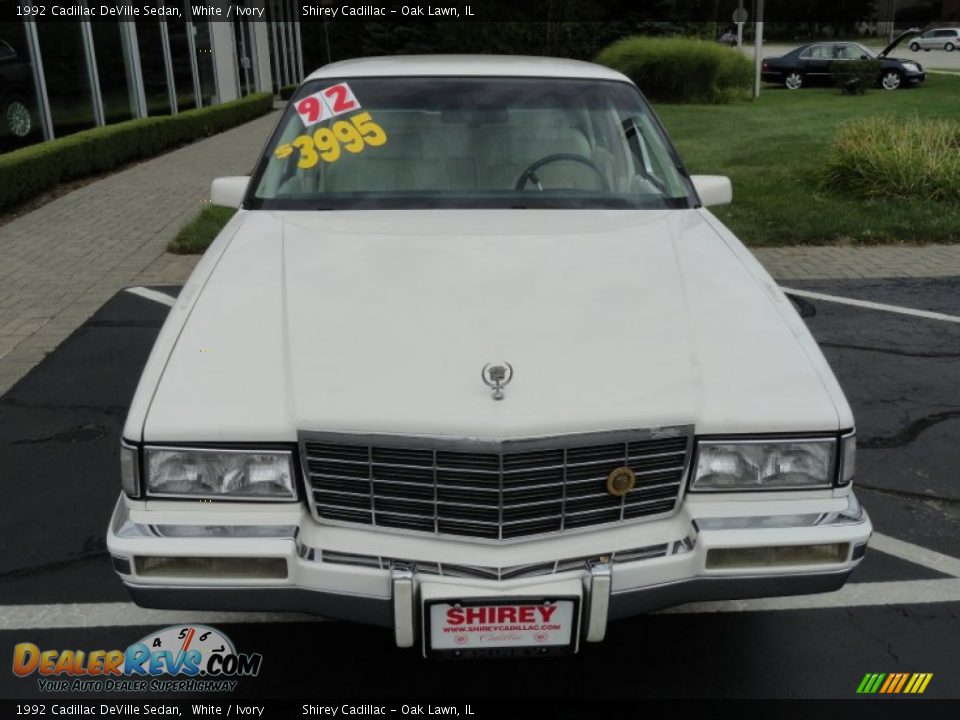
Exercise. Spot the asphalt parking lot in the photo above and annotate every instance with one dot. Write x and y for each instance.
(59, 431)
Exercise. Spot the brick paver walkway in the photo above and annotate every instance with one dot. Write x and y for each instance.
(61, 262)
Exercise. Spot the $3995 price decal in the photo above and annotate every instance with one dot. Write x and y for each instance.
(327, 143)
(352, 134)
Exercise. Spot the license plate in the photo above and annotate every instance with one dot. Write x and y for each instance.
(496, 627)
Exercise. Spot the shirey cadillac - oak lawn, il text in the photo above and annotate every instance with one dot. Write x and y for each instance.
(474, 362)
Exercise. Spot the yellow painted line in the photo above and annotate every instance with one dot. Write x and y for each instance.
(926, 681)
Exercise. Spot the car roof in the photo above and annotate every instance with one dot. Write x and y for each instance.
(458, 65)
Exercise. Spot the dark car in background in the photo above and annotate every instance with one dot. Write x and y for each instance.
(16, 117)
(820, 63)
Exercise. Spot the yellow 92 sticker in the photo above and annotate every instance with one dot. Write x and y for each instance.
(328, 143)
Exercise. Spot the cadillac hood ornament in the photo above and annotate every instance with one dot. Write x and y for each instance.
(497, 376)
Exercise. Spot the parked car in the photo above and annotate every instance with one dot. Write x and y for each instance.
(729, 38)
(819, 63)
(938, 39)
(474, 362)
(15, 85)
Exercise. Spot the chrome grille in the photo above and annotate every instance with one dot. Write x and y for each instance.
(495, 490)
(509, 572)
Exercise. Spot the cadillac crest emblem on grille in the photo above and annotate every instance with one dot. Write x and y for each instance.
(497, 376)
(621, 481)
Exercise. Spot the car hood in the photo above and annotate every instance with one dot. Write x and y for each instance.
(896, 41)
(382, 321)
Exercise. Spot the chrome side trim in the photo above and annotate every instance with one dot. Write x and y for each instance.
(126, 528)
(509, 572)
(854, 514)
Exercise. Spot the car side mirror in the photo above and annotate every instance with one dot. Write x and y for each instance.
(229, 191)
(713, 189)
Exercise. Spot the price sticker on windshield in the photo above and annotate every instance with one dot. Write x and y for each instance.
(352, 134)
(327, 103)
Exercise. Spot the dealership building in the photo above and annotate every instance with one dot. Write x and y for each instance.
(60, 77)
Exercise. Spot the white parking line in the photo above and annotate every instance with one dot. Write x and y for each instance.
(901, 592)
(152, 295)
(94, 615)
(89, 615)
(906, 592)
(916, 554)
(928, 314)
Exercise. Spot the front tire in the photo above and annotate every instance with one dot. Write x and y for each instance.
(891, 80)
(16, 117)
(793, 81)
(915, 46)
(949, 47)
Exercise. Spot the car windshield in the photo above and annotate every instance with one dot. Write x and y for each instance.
(431, 142)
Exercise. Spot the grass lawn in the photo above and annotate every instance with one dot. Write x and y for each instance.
(774, 149)
(196, 235)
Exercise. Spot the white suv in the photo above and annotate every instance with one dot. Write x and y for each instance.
(474, 362)
(938, 39)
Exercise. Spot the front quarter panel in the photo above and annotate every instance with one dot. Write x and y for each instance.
(790, 316)
(172, 327)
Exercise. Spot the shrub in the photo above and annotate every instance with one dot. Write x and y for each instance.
(681, 69)
(854, 77)
(286, 92)
(196, 235)
(29, 171)
(897, 157)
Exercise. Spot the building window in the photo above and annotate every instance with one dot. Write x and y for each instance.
(65, 74)
(116, 89)
(153, 67)
(180, 59)
(204, 46)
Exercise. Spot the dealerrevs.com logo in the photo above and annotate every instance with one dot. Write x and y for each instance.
(180, 658)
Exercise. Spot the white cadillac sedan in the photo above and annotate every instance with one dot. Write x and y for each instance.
(474, 362)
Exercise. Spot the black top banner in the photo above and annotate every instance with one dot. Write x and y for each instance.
(634, 12)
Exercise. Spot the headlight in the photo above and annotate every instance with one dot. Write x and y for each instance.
(226, 474)
(911, 67)
(764, 464)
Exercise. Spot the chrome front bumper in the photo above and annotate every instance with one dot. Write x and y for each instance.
(380, 579)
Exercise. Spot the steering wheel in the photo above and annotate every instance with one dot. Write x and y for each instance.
(531, 172)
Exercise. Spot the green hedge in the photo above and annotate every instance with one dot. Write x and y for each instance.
(897, 157)
(681, 69)
(286, 92)
(29, 171)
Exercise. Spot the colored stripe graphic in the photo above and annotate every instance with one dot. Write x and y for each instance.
(894, 683)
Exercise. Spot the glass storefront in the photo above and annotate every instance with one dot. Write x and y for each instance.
(203, 45)
(57, 78)
(153, 67)
(19, 114)
(65, 73)
(180, 58)
(116, 86)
